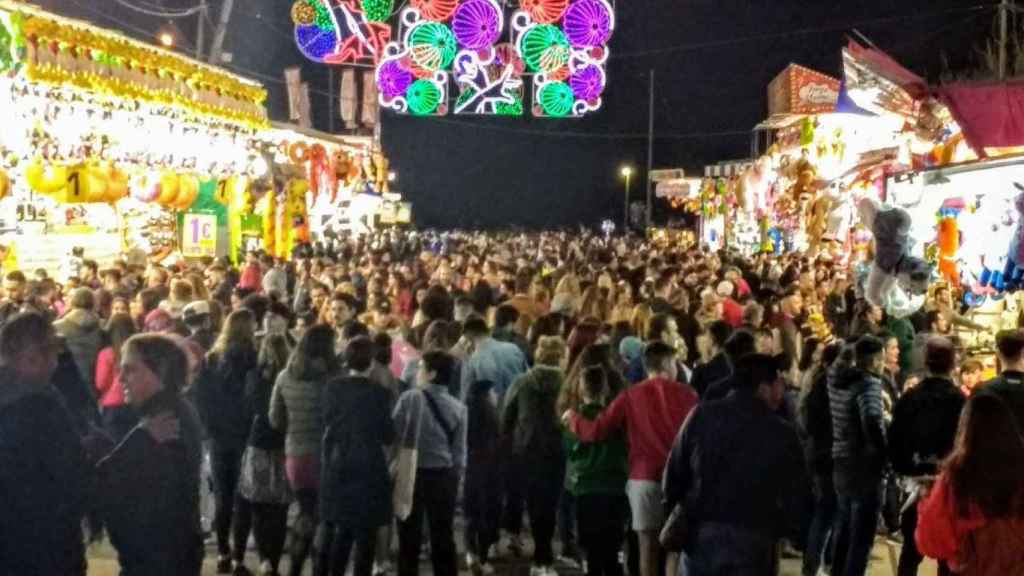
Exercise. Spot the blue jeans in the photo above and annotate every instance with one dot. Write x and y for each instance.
(821, 525)
(854, 536)
(721, 549)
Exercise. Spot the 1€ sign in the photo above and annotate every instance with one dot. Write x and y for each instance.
(199, 235)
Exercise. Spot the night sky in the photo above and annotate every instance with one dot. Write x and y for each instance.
(713, 61)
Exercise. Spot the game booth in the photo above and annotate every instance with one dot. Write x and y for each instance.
(115, 146)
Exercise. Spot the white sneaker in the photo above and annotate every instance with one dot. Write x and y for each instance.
(486, 569)
(539, 571)
(471, 562)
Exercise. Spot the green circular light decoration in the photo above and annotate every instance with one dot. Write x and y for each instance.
(544, 48)
(423, 97)
(556, 99)
(433, 46)
(378, 10)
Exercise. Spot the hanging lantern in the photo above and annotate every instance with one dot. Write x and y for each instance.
(168, 189)
(117, 184)
(188, 190)
(46, 178)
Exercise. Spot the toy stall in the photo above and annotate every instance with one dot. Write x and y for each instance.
(831, 143)
(116, 146)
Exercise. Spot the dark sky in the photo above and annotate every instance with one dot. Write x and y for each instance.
(713, 60)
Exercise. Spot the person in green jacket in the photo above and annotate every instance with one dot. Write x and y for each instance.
(597, 474)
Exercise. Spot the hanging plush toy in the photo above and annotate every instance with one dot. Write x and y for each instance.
(949, 243)
(894, 271)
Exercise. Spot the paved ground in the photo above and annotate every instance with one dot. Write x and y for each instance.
(103, 562)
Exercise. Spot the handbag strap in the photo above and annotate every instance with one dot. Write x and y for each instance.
(436, 412)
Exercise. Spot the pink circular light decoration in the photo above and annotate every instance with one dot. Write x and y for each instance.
(587, 83)
(477, 24)
(588, 23)
(393, 80)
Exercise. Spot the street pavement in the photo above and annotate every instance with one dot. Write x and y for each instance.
(103, 562)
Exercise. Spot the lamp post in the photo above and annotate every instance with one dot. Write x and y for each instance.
(627, 173)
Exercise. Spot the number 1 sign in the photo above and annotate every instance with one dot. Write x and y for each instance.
(199, 235)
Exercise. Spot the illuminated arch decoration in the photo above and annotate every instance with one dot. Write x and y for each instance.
(342, 31)
(566, 47)
(488, 53)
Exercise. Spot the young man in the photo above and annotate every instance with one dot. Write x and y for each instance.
(739, 472)
(43, 472)
(1009, 385)
(922, 433)
(651, 414)
(441, 445)
(498, 362)
(858, 450)
(719, 366)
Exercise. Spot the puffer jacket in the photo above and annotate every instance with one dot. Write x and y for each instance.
(83, 336)
(858, 429)
(295, 409)
(530, 416)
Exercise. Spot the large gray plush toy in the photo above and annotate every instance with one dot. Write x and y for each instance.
(895, 273)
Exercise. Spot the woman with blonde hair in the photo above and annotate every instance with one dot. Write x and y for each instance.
(641, 317)
(622, 310)
(530, 418)
(220, 394)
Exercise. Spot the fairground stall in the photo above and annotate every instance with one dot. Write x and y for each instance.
(115, 146)
(325, 185)
(829, 143)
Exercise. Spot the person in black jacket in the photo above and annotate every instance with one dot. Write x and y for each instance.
(263, 486)
(355, 488)
(738, 470)
(1009, 385)
(483, 475)
(859, 454)
(43, 473)
(149, 485)
(739, 345)
(922, 434)
(719, 367)
(816, 422)
(227, 417)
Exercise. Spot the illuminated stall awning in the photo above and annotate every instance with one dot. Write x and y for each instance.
(991, 115)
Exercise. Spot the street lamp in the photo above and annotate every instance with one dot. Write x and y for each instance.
(627, 173)
(166, 39)
(392, 176)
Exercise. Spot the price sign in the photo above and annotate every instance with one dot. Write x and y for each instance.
(199, 235)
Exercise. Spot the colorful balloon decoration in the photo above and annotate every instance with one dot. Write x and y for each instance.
(477, 24)
(436, 10)
(5, 184)
(46, 178)
(332, 32)
(545, 11)
(568, 52)
(588, 23)
(145, 187)
(432, 45)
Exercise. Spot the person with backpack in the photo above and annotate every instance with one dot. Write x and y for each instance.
(530, 418)
(440, 423)
(355, 489)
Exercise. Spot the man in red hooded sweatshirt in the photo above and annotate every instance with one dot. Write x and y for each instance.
(651, 414)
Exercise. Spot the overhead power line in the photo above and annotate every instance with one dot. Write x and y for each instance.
(161, 13)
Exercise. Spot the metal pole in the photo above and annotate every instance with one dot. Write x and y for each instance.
(650, 150)
(625, 212)
(222, 28)
(201, 29)
(1004, 10)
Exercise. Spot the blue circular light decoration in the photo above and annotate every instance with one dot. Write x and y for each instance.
(314, 42)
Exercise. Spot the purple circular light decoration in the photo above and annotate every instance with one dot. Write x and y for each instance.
(477, 24)
(588, 23)
(393, 80)
(587, 83)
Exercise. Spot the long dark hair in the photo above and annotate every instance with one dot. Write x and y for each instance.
(314, 356)
(986, 467)
(120, 328)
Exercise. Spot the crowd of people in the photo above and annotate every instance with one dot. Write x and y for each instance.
(652, 409)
